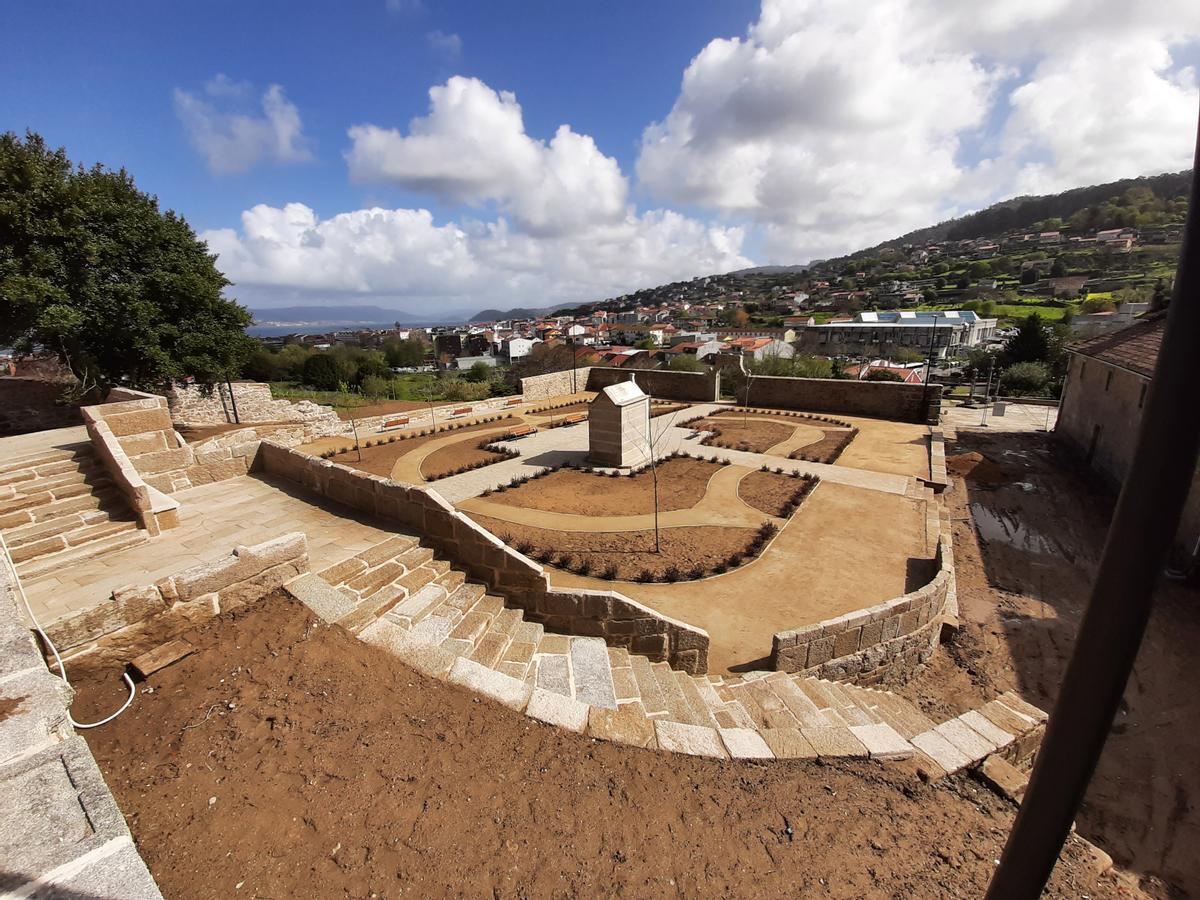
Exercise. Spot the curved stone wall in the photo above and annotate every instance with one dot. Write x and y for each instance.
(892, 638)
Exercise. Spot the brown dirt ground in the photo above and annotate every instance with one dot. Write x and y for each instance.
(752, 436)
(767, 491)
(1021, 593)
(558, 412)
(380, 459)
(287, 759)
(826, 450)
(445, 461)
(631, 552)
(682, 482)
(388, 406)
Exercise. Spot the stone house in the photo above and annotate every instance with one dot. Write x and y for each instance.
(1107, 381)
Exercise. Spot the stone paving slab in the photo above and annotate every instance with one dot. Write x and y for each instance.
(941, 751)
(627, 724)
(329, 603)
(503, 689)
(745, 743)
(788, 743)
(591, 672)
(972, 744)
(555, 709)
(694, 740)
(882, 741)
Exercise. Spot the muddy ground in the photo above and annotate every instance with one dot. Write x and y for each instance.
(1028, 531)
(286, 759)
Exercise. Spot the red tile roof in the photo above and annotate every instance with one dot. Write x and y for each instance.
(1134, 348)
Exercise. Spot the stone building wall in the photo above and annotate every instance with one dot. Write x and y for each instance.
(883, 399)
(890, 639)
(621, 621)
(661, 384)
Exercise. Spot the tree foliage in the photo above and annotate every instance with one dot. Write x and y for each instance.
(1024, 378)
(93, 271)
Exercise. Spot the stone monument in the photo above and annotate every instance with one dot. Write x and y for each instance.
(618, 426)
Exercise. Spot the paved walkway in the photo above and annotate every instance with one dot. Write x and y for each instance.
(407, 469)
(1016, 417)
(720, 505)
(54, 439)
(214, 519)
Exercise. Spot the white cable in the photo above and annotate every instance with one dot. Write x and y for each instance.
(58, 659)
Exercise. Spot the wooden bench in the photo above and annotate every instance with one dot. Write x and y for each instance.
(461, 411)
(513, 401)
(520, 431)
(575, 418)
(393, 424)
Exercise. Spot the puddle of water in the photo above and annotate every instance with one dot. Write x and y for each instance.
(1008, 529)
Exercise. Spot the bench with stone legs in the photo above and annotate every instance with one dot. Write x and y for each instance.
(397, 596)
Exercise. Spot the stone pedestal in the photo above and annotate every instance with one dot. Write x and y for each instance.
(619, 426)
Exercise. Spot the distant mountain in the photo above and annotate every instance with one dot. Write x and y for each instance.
(517, 312)
(331, 316)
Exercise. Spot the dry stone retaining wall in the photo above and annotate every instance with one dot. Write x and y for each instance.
(661, 384)
(882, 399)
(554, 384)
(619, 620)
(890, 639)
(206, 404)
(138, 616)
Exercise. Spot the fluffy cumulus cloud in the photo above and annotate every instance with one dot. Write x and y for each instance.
(404, 257)
(472, 148)
(837, 123)
(232, 139)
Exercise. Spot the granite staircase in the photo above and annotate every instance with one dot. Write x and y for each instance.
(399, 597)
(60, 506)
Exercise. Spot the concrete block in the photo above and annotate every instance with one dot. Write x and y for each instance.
(986, 728)
(503, 689)
(555, 709)
(970, 743)
(695, 740)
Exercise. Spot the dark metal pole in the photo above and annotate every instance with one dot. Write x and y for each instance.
(1143, 526)
(233, 401)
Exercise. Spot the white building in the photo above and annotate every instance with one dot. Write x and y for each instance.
(953, 331)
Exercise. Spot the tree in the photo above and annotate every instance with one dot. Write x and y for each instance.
(929, 295)
(1029, 276)
(321, 371)
(374, 386)
(404, 354)
(1161, 298)
(262, 365)
(685, 362)
(647, 343)
(882, 375)
(979, 269)
(478, 373)
(1029, 344)
(1058, 268)
(906, 355)
(92, 271)
(1024, 378)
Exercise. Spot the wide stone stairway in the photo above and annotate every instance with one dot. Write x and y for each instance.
(398, 596)
(59, 506)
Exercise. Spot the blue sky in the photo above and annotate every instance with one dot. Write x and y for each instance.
(408, 153)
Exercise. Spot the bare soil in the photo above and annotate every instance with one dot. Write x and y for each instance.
(769, 492)
(826, 450)
(753, 436)
(1028, 531)
(287, 759)
(380, 459)
(682, 482)
(449, 460)
(692, 550)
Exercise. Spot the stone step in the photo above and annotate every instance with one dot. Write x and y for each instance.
(42, 458)
(58, 480)
(23, 534)
(46, 566)
(652, 697)
(78, 538)
(677, 706)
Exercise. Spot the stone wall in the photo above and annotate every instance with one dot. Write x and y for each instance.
(425, 417)
(554, 384)
(207, 404)
(661, 384)
(621, 621)
(890, 639)
(882, 399)
(154, 511)
(136, 618)
(61, 832)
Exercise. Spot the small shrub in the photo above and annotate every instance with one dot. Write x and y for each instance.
(584, 567)
(566, 561)
(672, 573)
(720, 568)
(645, 576)
(609, 573)
(696, 573)
(735, 560)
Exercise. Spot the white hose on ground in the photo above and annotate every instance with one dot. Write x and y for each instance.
(58, 659)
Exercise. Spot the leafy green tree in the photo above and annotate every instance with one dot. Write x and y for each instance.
(1024, 378)
(1058, 268)
(979, 269)
(262, 365)
(321, 371)
(1029, 276)
(1030, 344)
(685, 362)
(883, 375)
(478, 373)
(929, 295)
(406, 353)
(92, 271)
(986, 308)
(374, 386)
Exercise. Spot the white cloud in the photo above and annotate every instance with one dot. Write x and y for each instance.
(231, 140)
(402, 256)
(472, 148)
(837, 123)
(447, 46)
